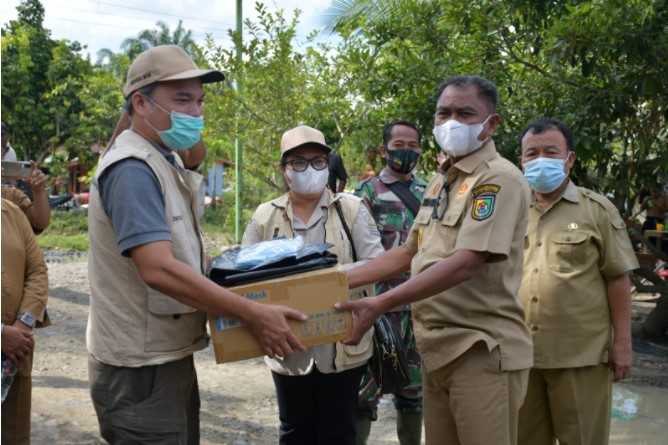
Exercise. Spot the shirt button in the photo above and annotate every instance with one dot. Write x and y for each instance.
(535, 270)
(568, 238)
(534, 299)
(539, 243)
(534, 328)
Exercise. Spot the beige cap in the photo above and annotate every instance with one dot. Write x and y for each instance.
(300, 136)
(162, 63)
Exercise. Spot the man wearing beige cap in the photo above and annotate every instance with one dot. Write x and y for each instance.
(149, 296)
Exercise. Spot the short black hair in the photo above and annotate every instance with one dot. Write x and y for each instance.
(486, 89)
(387, 130)
(544, 124)
(146, 91)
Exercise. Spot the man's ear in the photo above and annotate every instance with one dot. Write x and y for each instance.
(493, 123)
(382, 151)
(139, 103)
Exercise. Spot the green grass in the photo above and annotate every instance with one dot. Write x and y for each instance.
(69, 231)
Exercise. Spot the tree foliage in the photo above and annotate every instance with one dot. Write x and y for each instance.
(596, 65)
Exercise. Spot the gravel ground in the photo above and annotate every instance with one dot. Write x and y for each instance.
(238, 401)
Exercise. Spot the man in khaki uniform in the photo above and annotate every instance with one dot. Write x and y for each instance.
(465, 253)
(576, 294)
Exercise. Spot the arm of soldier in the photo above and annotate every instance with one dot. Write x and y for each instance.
(41, 210)
(161, 271)
(620, 356)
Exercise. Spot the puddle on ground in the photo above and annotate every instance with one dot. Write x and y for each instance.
(639, 415)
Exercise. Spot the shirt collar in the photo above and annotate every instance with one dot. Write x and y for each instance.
(388, 178)
(570, 193)
(469, 163)
(326, 199)
(170, 156)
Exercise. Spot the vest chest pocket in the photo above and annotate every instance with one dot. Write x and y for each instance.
(568, 250)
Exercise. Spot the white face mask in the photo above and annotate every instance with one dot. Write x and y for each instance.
(457, 139)
(308, 182)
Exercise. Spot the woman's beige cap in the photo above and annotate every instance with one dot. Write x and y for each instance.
(300, 136)
(163, 63)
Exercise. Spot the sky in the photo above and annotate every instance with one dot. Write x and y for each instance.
(106, 23)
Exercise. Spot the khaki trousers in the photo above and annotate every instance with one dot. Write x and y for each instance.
(16, 412)
(472, 402)
(569, 404)
(157, 405)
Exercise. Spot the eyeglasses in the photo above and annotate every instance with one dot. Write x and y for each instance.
(301, 164)
(435, 214)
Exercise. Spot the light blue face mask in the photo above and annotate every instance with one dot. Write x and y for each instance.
(545, 175)
(186, 130)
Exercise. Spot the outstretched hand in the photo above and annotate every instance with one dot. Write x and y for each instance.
(272, 330)
(365, 312)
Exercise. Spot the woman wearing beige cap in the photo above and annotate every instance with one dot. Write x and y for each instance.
(317, 389)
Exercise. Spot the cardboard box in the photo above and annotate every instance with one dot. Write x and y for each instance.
(313, 293)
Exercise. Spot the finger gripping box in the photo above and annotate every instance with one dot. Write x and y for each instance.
(312, 293)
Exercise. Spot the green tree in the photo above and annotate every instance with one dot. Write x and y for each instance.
(161, 35)
(597, 65)
(281, 88)
(26, 55)
(51, 96)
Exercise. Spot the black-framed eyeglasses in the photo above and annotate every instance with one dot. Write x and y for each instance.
(301, 164)
(435, 213)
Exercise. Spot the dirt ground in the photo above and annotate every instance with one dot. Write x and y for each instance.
(238, 401)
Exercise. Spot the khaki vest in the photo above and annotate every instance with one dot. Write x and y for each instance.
(131, 324)
(271, 221)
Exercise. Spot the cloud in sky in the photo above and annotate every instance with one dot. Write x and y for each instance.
(106, 23)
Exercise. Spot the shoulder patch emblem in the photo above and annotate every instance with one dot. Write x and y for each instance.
(484, 198)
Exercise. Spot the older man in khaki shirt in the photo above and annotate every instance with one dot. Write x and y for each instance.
(576, 294)
(466, 252)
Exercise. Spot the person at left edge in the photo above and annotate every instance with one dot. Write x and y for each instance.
(146, 264)
(25, 285)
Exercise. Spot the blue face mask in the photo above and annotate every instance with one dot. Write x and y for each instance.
(545, 175)
(402, 161)
(186, 130)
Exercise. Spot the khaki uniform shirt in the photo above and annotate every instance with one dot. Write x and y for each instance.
(20, 199)
(570, 251)
(484, 201)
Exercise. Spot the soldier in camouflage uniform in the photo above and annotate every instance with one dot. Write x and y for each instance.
(401, 150)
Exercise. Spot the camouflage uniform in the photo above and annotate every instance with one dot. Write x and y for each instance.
(394, 221)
